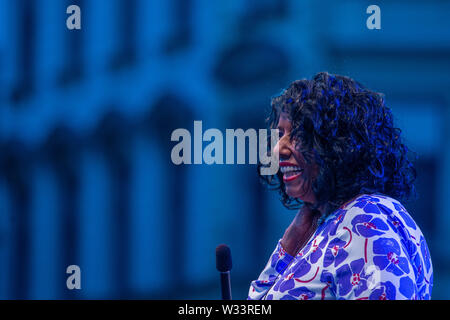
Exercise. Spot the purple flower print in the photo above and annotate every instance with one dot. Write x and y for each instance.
(368, 225)
(332, 226)
(316, 246)
(301, 269)
(388, 256)
(405, 216)
(335, 253)
(283, 284)
(280, 260)
(417, 266)
(352, 277)
(386, 291)
(370, 231)
(265, 283)
(287, 285)
(425, 253)
(287, 297)
(368, 204)
(407, 287)
(398, 206)
(302, 293)
(371, 204)
(328, 279)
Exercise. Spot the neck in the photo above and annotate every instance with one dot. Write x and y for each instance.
(306, 217)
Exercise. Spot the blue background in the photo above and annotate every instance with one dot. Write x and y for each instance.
(86, 116)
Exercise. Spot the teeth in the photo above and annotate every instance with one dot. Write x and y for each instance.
(290, 169)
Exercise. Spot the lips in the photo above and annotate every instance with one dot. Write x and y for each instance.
(290, 171)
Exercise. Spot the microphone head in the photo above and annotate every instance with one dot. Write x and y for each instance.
(223, 258)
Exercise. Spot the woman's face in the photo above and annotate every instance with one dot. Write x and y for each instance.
(297, 173)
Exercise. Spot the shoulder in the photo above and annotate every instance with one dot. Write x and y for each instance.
(377, 224)
(376, 231)
(371, 216)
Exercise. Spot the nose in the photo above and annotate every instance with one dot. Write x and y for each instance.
(282, 147)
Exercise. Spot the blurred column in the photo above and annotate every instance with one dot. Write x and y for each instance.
(5, 233)
(96, 223)
(63, 155)
(73, 42)
(113, 136)
(180, 36)
(26, 23)
(148, 219)
(125, 28)
(168, 113)
(15, 168)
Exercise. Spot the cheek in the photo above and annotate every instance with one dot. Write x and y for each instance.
(311, 167)
(311, 173)
(314, 171)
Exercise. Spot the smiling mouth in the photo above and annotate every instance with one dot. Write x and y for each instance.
(290, 173)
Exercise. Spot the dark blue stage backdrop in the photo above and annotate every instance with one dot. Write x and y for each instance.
(86, 117)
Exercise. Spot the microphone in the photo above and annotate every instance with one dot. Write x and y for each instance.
(223, 265)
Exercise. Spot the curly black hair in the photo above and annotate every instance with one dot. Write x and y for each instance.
(349, 132)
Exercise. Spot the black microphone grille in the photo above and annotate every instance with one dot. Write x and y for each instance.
(223, 258)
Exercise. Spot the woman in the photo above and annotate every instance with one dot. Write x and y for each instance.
(342, 162)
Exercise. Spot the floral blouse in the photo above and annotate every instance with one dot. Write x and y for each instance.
(370, 248)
